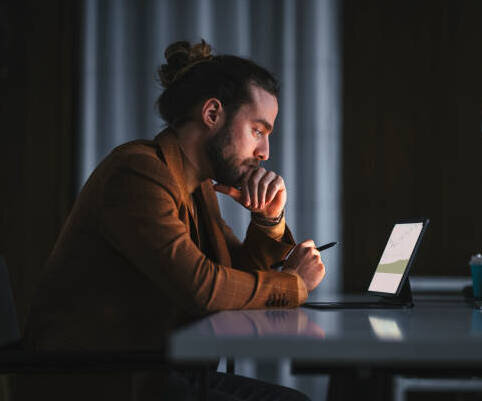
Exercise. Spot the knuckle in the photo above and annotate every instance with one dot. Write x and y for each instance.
(258, 174)
(267, 179)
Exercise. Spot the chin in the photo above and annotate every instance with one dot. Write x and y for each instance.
(230, 175)
(229, 180)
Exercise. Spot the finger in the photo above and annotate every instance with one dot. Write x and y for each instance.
(246, 199)
(323, 270)
(309, 243)
(303, 248)
(275, 186)
(316, 254)
(263, 186)
(253, 186)
(231, 191)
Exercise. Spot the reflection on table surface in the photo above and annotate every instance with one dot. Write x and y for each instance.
(385, 328)
(263, 322)
(442, 318)
(443, 329)
(476, 326)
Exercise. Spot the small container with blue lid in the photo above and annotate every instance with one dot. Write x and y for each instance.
(476, 269)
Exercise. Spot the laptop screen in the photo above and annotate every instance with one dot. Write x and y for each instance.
(395, 257)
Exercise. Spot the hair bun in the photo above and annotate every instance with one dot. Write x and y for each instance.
(181, 57)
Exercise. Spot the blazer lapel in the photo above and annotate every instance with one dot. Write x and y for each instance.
(209, 210)
(211, 215)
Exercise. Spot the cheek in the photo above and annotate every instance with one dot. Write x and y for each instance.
(243, 142)
(246, 143)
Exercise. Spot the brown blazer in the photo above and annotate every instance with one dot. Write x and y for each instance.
(126, 268)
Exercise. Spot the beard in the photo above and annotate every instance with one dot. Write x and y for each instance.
(225, 164)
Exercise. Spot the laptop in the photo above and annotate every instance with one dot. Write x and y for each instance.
(389, 287)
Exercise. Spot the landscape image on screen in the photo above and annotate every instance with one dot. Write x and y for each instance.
(395, 257)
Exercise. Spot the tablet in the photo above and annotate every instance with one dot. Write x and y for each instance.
(397, 257)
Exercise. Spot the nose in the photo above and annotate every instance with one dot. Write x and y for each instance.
(262, 150)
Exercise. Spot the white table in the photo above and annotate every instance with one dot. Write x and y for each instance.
(436, 329)
(441, 335)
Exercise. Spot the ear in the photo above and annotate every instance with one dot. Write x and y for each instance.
(212, 113)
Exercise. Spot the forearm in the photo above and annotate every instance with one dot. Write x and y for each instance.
(263, 246)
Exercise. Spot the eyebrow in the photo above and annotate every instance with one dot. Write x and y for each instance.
(266, 124)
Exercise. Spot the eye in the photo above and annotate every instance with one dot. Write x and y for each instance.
(257, 132)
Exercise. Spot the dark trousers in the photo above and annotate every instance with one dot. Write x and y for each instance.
(190, 385)
(175, 385)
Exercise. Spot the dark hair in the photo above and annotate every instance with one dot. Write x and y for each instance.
(192, 75)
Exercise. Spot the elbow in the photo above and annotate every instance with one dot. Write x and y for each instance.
(205, 289)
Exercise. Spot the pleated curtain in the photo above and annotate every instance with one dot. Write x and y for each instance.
(122, 44)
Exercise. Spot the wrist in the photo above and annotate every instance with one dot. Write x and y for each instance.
(267, 221)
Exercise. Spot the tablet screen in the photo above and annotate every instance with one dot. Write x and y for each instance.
(395, 257)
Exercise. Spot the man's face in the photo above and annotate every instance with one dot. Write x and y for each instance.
(239, 146)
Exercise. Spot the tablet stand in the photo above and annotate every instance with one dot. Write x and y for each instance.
(404, 298)
(401, 301)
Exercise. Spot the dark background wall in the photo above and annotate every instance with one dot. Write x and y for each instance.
(411, 144)
(38, 66)
(412, 136)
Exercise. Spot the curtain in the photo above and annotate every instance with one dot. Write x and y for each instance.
(123, 43)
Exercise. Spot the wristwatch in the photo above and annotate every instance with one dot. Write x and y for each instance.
(267, 221)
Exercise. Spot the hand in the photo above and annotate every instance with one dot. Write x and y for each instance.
(261, 192)
(305, 260)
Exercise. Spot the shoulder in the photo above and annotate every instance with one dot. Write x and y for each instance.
(138, 164)
(141, 156)
(137, 150)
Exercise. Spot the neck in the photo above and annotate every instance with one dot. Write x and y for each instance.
(192, 140)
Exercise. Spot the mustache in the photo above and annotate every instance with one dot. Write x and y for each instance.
(253, 163)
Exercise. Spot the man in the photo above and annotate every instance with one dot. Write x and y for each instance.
(145, 248)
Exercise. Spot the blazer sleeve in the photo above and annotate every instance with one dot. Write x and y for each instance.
(262, 246)
(139, 217)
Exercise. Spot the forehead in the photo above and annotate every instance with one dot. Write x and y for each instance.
(263, 106)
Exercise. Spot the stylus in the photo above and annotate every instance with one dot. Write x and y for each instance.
(320, 248)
